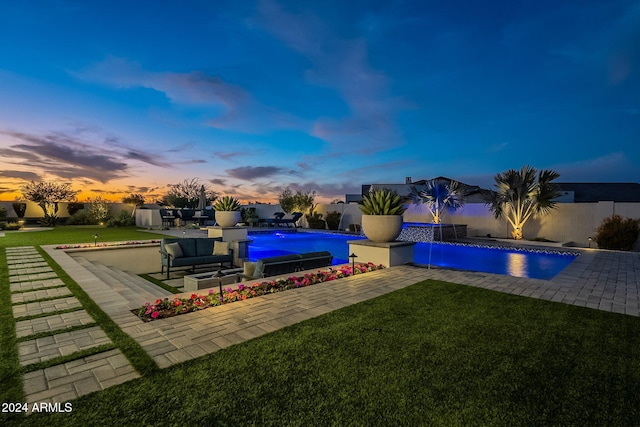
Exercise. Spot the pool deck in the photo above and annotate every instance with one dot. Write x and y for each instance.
(602, 280)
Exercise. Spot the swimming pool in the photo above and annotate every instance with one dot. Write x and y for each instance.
(531, 263)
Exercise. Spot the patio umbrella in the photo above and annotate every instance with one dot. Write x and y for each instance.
(202, 201)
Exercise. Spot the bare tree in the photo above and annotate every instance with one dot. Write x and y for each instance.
(186, 194)
(136, 199)
(47, 194)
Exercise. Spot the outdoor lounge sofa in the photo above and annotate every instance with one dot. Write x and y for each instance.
(189, 252)
(285, 264)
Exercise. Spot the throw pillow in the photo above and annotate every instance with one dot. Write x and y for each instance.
(249, 268)
(220, 248)
(259, 267)
(173, 249)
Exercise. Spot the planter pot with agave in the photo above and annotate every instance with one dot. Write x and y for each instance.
(382, 211)
(227, 211)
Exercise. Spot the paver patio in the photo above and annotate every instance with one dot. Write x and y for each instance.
(36, 292)
(596, 279)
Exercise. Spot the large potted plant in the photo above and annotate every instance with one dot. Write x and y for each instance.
(227, 211)
(382, 211)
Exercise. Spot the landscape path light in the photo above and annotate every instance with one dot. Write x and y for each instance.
(219, 275)
(353, 257)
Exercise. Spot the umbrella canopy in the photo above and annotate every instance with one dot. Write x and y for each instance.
(202, 201)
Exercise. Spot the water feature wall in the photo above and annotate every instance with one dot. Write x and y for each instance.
(424, 232)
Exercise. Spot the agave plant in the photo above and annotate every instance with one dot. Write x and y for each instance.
(439, 196)
(382, 201)
(227, 203)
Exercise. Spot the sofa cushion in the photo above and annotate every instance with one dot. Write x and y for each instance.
(321, 254)
(221, 248)
(281, 258)
(174, 250)
(200, 260)
(204, 246)
(188, 247)
(260, 265)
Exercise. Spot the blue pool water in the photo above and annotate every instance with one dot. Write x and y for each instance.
(532, 264)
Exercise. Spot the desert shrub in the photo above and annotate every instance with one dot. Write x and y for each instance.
(81, 217)
(249, 215)
(98, 209)
(333, 220)
(316, 222)
(123, 219)
(10, 225)
(618, 233)
(3, 212)
(73, 207)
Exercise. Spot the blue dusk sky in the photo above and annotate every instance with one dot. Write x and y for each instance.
(251, 97)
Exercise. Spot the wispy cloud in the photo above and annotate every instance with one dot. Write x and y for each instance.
(597, 35)
(252, 173)
(23, 175)
(228, 106)
(74, 155)
(228, 155)
(218, 181)
(498, 147)
(342, 65)
(610, 167)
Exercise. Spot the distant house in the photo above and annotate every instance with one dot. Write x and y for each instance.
(472, 192)
(571, 192)
(593, 192)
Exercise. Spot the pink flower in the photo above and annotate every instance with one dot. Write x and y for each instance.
(155, 314)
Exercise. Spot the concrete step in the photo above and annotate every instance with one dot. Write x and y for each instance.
(131, 287)
(126, 280)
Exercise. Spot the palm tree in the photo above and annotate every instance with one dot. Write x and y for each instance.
(519, 196)
(439, 195)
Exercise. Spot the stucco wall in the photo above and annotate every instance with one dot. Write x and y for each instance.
(570, 222)
(350, 212)
(34, 211)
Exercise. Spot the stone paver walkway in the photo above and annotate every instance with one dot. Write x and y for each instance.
(44, 308)
(597, 279)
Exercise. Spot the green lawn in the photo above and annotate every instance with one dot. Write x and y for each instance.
(74, 234)
(10, 370)
(432, 354)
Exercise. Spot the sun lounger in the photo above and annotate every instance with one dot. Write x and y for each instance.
(289, 221)
(270, 222)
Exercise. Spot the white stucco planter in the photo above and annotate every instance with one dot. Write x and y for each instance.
(382, 228)
(227, 218)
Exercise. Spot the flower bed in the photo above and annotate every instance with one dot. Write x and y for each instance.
(99, 245)
(163, 308)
